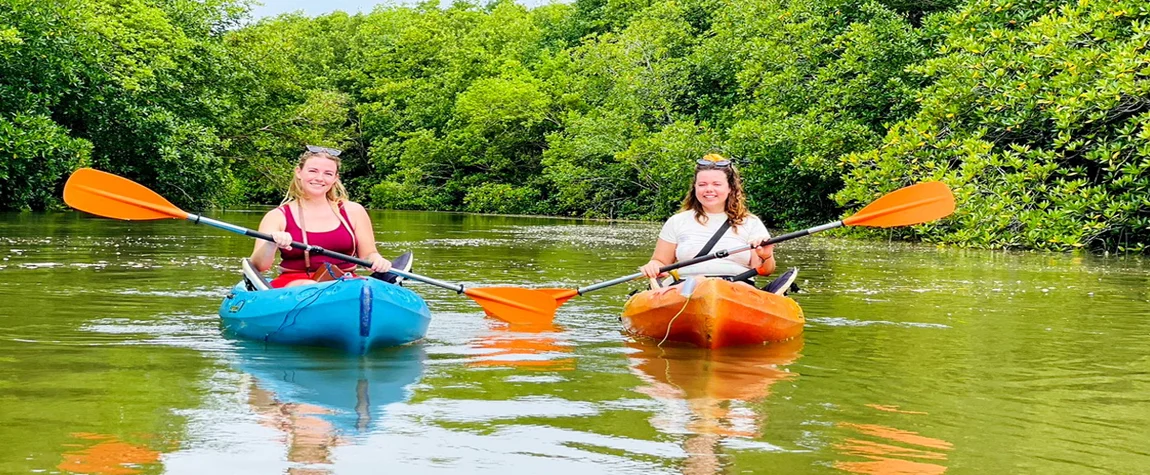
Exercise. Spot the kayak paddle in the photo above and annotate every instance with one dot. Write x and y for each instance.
(111, 196)
(915, 204)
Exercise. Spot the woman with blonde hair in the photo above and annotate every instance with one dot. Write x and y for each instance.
(714, 217)
(316, 211)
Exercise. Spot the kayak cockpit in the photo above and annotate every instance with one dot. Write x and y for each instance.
(253, 279)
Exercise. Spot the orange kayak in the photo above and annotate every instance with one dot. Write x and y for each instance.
(720, 313)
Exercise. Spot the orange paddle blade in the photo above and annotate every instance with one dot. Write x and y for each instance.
(561, 296)
(914, 204)
(515, 305)
(111, 196)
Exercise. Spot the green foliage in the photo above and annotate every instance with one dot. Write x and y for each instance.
(140, 82)
(781, 194)
(290, 67)
(1039, 117)
(580, 164)
(453, 94)
(811, 81)
(601, 16)
(501, 198)
(621, 94)
(1036, 112)
(664, 166)
(38, 154)
(393, 195)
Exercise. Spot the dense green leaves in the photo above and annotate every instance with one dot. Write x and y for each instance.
(39, 154)
(1036, 112)
(1039, 115)
(134, 85)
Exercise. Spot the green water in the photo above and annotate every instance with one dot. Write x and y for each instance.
(914, 360)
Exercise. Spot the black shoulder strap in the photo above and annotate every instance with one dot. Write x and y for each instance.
(714, 239)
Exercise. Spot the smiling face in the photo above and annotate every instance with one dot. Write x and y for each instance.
(712, 190)
(317, 175)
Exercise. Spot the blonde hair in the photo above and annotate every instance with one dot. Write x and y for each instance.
(736, 205)
(337, 194)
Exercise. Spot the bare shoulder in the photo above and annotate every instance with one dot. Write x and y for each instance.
(274, 219)
(356, 211)
(353, 207)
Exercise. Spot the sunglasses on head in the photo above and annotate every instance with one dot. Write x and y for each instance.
(330, 151)
(704, 163)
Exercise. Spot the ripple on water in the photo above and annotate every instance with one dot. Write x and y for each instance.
(1041, 367)
(212, 292)
(592, 236)
(848, 322)
(183, 330)
(469, 242)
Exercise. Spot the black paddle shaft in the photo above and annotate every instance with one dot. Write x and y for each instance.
(318, 250)
(311, 248)
(715, 255)
(727, 252)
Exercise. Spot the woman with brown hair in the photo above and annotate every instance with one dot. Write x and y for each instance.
(316, 211)
(714, 216)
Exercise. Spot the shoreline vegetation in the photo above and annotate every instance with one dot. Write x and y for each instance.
(1036, 113)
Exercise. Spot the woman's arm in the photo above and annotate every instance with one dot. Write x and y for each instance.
(365, 237)
(264, 254)
(764, 255)
(664, 255)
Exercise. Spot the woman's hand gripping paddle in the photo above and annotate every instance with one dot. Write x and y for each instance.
(112, 196)
(915, 204)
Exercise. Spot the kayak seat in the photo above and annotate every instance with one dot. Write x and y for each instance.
(253, 280)
(784, 283)
(403, 263)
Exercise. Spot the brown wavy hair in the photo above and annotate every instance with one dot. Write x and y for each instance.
(736, 205)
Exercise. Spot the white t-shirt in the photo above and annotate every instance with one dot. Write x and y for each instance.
(689, 237)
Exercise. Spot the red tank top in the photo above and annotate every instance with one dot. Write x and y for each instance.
(338, 240)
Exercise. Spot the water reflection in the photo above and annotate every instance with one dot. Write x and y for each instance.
(319, 399)
(107, 456)
(889, 450)
(1016, 356)
(708, 395)
(537, 347)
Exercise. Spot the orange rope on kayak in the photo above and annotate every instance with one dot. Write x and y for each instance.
(673, 321)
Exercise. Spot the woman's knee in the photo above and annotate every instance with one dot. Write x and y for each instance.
(298, 282)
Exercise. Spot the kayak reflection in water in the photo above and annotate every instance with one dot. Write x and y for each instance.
(308, 437)
(707, 395)
(321, 399)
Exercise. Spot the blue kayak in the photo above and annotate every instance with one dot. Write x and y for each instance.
(353, 314)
